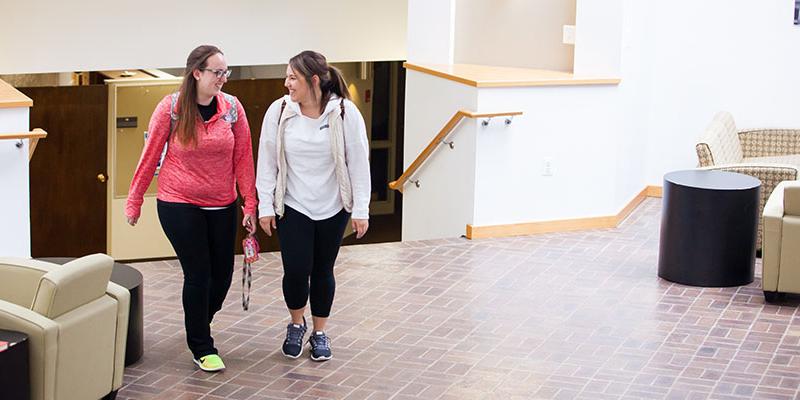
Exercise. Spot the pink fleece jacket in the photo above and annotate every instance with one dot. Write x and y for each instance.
(204, 176)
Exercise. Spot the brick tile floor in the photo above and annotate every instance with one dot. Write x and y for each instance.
(578, 315)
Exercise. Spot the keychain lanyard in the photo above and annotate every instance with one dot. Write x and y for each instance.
(251, 248)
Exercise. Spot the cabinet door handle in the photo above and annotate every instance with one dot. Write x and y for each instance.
(101, 178)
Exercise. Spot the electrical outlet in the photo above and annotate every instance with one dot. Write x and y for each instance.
(547, 167)
(568, 34)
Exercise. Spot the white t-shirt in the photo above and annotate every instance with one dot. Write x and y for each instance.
(311, 186)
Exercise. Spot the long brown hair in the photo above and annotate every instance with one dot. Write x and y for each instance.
(187, 97)
(331, 81)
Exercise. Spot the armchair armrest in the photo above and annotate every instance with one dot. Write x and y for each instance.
(123, 297)
(770, 175)
(42, 343)
(769, 142)
(19, 278)
(771, 246)
(73, 285)
(36, 265)
(791, 198)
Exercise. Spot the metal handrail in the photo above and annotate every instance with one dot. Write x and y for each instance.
(439, 139)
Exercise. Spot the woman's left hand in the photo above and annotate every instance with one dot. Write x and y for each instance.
(360, 226)
(248, 222)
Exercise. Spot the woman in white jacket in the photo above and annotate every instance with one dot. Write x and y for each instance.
(312, 177)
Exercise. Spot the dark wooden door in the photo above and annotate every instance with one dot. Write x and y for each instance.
(256, 95)
(68, 198)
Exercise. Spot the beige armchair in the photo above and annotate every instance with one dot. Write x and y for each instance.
(76, 322)
(781, 253)
(771, 155)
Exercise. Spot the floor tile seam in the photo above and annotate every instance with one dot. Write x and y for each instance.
(737, 352)
(180, 379)
(400, 391)
(675, 326)
(483, 292)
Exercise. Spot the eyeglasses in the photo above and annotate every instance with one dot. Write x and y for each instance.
(219, 73)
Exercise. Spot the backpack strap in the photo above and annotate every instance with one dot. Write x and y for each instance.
(231, 116)
(233, 113)
(283, 105)
(173, 116)
(341, 107)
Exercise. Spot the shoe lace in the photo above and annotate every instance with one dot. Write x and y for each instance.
(321, 342)
(294, 334)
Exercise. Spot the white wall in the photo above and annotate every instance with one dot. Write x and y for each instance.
(513, 33)
(46, 36)
(494, 176)
(577, 127)
(431, 29)
(598, 37)
(444, 203)
(634, 56)
(736, 55)
(15, 226)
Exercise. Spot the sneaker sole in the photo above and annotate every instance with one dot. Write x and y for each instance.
(323, 358)
(199, 364)
(291, 356)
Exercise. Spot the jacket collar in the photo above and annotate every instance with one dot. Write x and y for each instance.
(333, 104)
(222, 107)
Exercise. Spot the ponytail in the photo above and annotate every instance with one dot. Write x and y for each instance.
(337, 83)
(331, 81)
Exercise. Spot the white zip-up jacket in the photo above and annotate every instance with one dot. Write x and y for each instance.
(299, 167)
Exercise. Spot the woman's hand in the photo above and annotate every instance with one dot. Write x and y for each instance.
(267, 224)
(132, 220)
(360, 226)
(248, 222)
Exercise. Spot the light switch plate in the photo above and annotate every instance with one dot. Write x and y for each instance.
(568, 34)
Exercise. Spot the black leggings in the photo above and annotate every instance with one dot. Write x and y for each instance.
(309, 249)
(204, 242)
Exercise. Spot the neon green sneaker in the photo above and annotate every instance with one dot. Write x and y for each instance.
(210, 363)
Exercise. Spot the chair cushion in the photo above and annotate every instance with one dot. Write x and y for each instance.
(73, 285)
(722, 140)
(790, 159)
(789, 274)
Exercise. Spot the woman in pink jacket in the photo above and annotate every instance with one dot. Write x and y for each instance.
(209, 153)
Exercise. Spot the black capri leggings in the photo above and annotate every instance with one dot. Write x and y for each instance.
(308, 250)
(204, 242)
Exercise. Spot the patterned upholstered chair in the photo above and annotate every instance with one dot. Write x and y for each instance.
(771, 155)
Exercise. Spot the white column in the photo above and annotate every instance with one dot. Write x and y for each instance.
(15, 225)
(598, 37)
(431, 30)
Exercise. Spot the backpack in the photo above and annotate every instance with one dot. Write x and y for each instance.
(231, 116)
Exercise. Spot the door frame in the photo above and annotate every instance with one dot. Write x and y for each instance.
(158, 246)
(387, 206)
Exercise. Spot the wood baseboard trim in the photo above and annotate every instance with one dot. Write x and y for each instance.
(654, 191)
(564, 225)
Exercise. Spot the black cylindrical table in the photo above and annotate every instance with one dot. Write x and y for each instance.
(15, 383)
(709, 223)
(130, 278)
